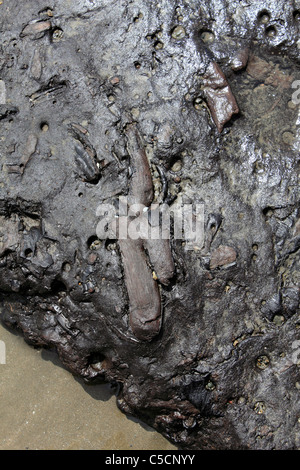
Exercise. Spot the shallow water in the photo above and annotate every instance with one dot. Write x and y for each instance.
(44, 407)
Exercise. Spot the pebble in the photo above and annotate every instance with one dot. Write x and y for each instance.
(259, 407)
(210, 386)
(159, 45)
(263, 362)
(278, 319)
(57, 34)
(115, 81)
(288, 138)
(222, 256)
(264, 18)
(208, 37)
(177, 166)
(95, 245)
(178, 32)
(35, 29)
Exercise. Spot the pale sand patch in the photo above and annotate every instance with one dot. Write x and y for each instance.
(43, 406)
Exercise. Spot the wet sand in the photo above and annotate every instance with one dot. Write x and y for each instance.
(44, 407)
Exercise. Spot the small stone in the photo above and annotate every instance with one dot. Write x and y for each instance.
(57, 34)
(67, 267)
(223, 256)
(210, 386)
(159, 45)
(135, 112)
(177, 166)
(263, 362)
(259, 407)
(288, 138)
(115, 81)
(264, 18)
(178, 32)
(36, 29)
(95, 245)
(278, 319)
(189, 423)
(271, 32)
(292, 105)
(208, 37)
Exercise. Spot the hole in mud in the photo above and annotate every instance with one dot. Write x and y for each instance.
(158, 45)
(271, 32)
(111, 245)
(44, 126)
(66, 267)
(95, 359)
(296, 15)
(57, 34)
(176, 164)
(28, 252)
(111, 98)
(264, 17)
(93, 243)
(268, 211)
(198, 102)
(58, 286)
(137, 65)
(47, 10)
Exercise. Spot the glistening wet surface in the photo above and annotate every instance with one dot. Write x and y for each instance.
(44, 407)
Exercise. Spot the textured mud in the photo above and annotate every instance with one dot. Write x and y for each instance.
(209, 86)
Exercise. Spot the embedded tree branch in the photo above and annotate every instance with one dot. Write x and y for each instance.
(143, 292)
(141, 187)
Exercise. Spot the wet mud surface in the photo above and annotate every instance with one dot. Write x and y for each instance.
(206, 350)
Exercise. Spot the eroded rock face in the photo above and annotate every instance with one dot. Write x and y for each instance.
(208, 88)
